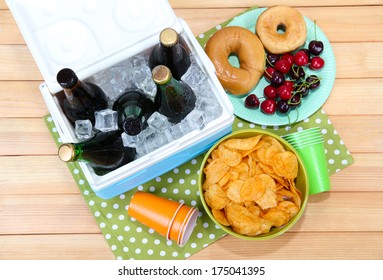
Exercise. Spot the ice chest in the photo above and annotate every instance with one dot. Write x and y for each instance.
(91, 35)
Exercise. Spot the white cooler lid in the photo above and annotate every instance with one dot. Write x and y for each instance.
(88, 35)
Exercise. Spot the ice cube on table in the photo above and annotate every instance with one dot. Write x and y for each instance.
(106, 120)
(83, 129)
(158, 121)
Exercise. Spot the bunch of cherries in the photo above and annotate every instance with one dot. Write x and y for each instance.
(288, 81)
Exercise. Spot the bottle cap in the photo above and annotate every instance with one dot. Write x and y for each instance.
(161, 74)
(168, 37)
(132, 126)
(67, 152)
(67, 78)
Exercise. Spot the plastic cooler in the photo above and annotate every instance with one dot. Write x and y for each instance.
(91, 35)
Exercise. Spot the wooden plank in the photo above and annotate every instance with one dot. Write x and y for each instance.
(33, 214)
(27, 175)
(364, 175)
(25, 136)
(289, 246)
(340, 24)
(265, 3)
(293, 246)
(361, 134)
(55, 247)
(10, 33)
(355, 97)
(18, 64)
(20, 99)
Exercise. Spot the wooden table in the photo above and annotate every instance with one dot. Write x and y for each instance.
(42, 213)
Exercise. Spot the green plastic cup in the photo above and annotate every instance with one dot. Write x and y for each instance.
(314, 159)
(302, 144)
(300, 135)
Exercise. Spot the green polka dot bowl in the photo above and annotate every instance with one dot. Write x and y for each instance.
(301, 183)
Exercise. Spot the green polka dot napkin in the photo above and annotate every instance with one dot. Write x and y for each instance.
(128, 239)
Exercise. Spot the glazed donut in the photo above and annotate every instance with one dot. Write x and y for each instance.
(281, 29)
(251, 54)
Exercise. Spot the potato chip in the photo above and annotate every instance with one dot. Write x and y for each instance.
(273, 142)
(215, 197)
(214, 172)
(269, 198)
(220, 217)
(229, 176)
(289, 207)
(244, 222)
(277, 216)
(269, 155)
(255, 210)
(261, 153)
(286, 165)
(233, 191)
(243, 144)
(253, 188)
(229, 156)
(243, 170)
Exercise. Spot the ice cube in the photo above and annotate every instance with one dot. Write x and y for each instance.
(83, 129)
(129, 140)
(194, 76)
(141, 77)
(106, 120)
(158, 121)
(210, 107)
(180, 129)
(195, 120)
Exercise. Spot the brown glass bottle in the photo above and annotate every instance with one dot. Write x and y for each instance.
(174, 99)
(105, 152)
(82, 99)
(134, 109)
(171, 53)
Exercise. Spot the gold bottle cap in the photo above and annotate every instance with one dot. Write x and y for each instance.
(66, 152)
(168, 37)
(161, 74)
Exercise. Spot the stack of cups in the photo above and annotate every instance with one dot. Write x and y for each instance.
(309, 144)
(171, 219)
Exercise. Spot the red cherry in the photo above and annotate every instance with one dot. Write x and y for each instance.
(285, 92)
(252, 101)
(268, 106)
(301, 58)
(316, 63)
(289, 83)
(283, 66)
(270, 92)
(289, 57)
(269, 73)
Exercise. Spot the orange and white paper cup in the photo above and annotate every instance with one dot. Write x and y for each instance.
(171, 219)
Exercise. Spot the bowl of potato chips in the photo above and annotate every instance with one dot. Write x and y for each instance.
(253, 184)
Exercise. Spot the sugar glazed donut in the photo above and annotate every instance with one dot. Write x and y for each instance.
(250, 52)
(281, 29)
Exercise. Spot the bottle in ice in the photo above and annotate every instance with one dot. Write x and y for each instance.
(82, 99)
(174, 99)
(134, 109)
(171, 53)
(104, 152)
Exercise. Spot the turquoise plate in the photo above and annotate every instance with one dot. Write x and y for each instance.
(311, 103)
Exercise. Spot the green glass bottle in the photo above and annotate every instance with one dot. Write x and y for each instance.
(82, 99)
(174, 99)
(170, 52)
(105, 152)
(134, 109)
